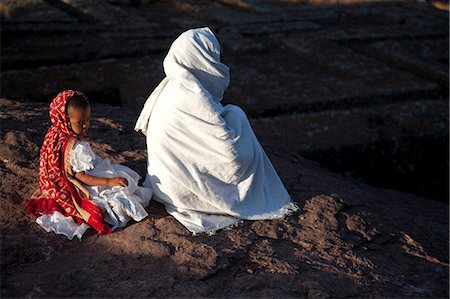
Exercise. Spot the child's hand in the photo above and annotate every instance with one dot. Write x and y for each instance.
(99, 181)
(117, 182)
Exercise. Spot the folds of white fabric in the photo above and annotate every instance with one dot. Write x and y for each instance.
(60, 224)
(214, 175)
(204, 161)
(119, 204)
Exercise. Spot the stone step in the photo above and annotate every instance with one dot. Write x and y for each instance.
(97, 78)
(334, 129)
(427, 58)
(69, 47)
(300, 73)
(33, 11)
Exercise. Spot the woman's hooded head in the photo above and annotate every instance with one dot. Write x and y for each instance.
(194, 58)
(193, 61)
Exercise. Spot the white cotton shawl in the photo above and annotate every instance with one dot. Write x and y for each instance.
(204, 161)
(194, 61)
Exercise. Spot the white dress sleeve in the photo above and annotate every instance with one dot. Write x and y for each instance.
(82, 157)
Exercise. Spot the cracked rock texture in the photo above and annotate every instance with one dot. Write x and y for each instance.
(348, 239)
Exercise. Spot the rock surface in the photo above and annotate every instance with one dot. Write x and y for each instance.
(348, 240)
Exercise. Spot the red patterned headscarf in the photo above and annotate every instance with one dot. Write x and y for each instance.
(58, 189)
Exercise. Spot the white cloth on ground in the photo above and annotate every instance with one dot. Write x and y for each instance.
(205, 164)
(61, 224)
(119, 204)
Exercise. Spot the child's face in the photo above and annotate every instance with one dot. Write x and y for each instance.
(79, 120)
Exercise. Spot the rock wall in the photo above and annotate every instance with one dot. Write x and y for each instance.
(318, 80)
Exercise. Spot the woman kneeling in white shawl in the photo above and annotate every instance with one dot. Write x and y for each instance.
(205, 164)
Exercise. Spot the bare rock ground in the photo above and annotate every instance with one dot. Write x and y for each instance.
(348, 240)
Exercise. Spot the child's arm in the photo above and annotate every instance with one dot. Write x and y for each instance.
(98, 181)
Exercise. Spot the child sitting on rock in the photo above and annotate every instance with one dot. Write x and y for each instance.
(78, 189)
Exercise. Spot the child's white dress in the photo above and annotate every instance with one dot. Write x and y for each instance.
(119, 204)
